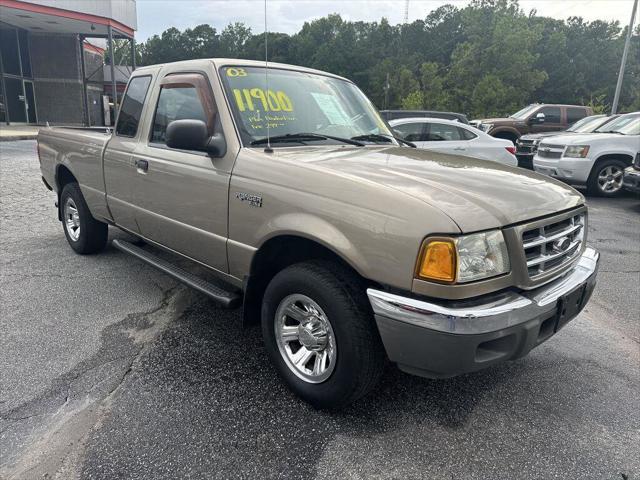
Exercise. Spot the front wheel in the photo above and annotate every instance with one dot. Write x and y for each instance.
(605, 179)
(84, 233)
(320, 333)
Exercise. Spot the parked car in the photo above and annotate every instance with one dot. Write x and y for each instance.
(451, 137)
(535, 118)
(631, 177)
(346, 246)
(596, 160)
(394, 114)
(527, 145)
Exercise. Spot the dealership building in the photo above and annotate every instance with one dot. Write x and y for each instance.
(52, 59)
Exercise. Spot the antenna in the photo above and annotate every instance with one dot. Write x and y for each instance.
(406, 12)
(268, 148)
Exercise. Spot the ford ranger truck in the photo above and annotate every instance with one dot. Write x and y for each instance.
(348, 247)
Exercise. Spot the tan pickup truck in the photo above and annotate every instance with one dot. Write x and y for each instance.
(349, 247)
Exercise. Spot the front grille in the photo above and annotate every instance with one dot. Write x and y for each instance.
(548, 153)
(551, 146)
(525, 146)
(553, 245)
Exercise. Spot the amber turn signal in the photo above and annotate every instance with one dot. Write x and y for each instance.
(438, 261)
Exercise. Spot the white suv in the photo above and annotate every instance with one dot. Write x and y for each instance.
(596, 160)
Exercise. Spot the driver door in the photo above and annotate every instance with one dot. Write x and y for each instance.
(552, 120)
(182, 196)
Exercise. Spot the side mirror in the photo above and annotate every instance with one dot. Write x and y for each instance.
(193, 135)
(539, 118)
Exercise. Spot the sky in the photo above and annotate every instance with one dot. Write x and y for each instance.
(288, 16)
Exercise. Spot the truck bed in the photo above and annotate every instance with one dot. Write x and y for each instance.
(80, 150)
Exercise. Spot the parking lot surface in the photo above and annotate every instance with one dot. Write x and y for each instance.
(111, 370)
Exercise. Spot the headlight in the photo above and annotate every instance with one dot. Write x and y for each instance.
(536, 142)
(576, 151)
(463, 259)
(485, 127)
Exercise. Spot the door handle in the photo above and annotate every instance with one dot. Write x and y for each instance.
(142, 165)
(460, 149)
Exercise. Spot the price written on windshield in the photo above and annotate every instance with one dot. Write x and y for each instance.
(248, 98)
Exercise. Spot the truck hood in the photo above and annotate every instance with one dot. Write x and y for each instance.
(499, 121)
(475, 194)
(585, 138)
(537, 136)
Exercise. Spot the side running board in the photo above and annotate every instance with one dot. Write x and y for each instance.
(227, 299)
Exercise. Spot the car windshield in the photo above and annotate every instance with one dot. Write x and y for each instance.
(298, 103)
(520, 114)
(586, 125)
(616, 124)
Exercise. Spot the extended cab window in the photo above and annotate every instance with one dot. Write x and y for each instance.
(132, 104)
(551, 114)
(575, 114)
(182, 97)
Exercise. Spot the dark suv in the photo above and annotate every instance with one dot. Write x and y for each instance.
(536, 118)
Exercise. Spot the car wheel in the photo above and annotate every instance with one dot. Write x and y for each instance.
(320, 334)
(605, 179)
(84, 233)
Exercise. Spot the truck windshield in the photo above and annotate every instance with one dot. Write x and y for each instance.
(300, 102)
(520, 114)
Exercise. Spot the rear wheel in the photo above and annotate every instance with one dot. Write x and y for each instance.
(320, 334)
(84, 233)
(605, 179)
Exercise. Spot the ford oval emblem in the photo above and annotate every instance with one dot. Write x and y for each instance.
(561, 244)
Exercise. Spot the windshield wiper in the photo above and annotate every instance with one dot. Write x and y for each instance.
(382, 136)
(301, 137)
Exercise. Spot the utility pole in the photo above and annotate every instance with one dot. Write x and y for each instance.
(616, 97)
(387, 87)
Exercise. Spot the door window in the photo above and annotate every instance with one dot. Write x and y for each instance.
(575, 114)
(182, 97)
(466, 134)
(438, 132)
(30, 102)
(15, 100)
(411, 132)
(132, 104)
(551, 114)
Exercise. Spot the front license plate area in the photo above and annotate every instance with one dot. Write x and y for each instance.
(570, 305)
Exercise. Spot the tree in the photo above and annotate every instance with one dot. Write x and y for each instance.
(488, 58)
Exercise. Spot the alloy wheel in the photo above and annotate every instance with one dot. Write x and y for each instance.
(305, 338)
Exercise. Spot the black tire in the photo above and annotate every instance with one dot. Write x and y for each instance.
(93, 234)
(594, 187)
(360, 356)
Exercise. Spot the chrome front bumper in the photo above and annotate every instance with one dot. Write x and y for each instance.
(471, 334)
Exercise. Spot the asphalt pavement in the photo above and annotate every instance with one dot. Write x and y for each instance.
(110, 370)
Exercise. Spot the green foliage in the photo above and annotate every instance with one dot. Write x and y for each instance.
(413, 101)
(599, 104)
(489, 58)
